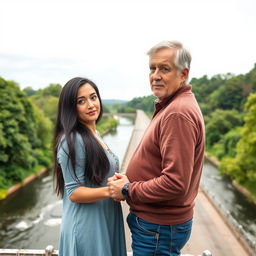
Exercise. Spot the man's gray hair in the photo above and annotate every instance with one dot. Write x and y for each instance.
(182, 58)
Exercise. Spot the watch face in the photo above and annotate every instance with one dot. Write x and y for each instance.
(125, 190)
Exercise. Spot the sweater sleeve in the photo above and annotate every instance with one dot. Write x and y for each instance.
(177, 142)
(70, 181)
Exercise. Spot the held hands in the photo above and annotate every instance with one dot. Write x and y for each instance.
(115, 185)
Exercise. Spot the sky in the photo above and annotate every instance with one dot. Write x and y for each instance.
(51, 41)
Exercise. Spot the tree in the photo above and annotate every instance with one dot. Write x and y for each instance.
(243, 166)
(29, 91)
(23, 132)
(220, 122)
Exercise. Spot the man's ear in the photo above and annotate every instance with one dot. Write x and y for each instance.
(184, 74)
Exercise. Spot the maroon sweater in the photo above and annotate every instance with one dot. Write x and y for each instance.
(166, 167)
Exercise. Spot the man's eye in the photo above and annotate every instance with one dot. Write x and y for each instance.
(165, 69)
(152, 69)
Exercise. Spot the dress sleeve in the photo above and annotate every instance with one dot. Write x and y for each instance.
(72, 182)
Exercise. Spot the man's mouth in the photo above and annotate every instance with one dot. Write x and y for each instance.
(157, 85)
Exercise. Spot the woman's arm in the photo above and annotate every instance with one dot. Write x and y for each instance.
(75, 187)
(89, 195)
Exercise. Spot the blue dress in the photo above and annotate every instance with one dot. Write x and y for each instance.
(89, 229)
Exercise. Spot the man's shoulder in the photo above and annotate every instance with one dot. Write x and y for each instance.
(184, 106)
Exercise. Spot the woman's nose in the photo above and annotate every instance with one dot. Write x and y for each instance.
(90, 104)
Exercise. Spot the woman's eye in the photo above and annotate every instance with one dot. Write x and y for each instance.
(80, 102)
(94, 97)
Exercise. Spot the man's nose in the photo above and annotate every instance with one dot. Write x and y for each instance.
(156, 75)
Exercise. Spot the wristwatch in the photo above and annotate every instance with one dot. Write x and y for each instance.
(125, 190)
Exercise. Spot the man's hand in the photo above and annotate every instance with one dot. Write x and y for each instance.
(116, 184)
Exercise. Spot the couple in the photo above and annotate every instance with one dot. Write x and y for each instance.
(161, 181)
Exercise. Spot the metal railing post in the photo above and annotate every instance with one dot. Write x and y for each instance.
(206, 253)
(49, 250)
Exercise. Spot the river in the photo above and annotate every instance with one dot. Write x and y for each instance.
(240, 212)
(31, 218)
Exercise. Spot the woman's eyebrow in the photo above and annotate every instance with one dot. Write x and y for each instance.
(80, 97)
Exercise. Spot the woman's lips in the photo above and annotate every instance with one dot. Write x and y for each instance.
(91, 113)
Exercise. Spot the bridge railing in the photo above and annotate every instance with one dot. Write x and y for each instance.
(50, 251)
(248, 243)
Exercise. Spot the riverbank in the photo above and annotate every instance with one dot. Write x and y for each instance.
(13, 189)
(244, 191)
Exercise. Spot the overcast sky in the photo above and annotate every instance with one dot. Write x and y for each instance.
(52, 41)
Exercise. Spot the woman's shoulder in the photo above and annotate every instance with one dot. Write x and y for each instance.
(78, 141)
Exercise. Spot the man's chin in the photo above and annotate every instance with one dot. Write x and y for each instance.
(158, 95)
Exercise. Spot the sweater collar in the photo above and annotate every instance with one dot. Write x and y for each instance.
(159, 105)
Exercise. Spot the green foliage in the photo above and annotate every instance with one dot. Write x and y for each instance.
(243, 166)
(226, 146)
(106, 109)
(48, 104)
(51, 90)
(106, 124)
(204, 87)
(230, 96)
(29, 91)
(145, 103)
(24, 131)
(47, 100)
(219, 123)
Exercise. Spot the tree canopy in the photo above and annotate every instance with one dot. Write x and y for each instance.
(24, 134)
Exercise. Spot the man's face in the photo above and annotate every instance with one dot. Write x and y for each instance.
(164, 77)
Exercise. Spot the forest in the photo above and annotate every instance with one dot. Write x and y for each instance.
(27, 119)
(228, 103)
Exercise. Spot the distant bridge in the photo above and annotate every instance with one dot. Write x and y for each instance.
(120, 114)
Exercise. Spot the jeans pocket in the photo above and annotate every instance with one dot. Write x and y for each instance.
(180, 235)
(183, 227)
(146, 227)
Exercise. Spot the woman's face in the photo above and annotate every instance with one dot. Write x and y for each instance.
(87, 105)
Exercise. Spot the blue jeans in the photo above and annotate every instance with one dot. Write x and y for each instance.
(149, 239)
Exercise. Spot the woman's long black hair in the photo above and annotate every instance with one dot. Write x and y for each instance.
(68, 125)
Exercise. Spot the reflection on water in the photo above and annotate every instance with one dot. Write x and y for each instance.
(30, 219)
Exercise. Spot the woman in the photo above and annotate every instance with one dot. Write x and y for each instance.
(92, 223)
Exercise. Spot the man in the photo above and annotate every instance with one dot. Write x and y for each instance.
(162, 178)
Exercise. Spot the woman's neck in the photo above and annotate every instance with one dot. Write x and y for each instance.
(91, 127)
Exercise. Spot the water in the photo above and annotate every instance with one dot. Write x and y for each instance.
(239, 211)
(30, 219)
